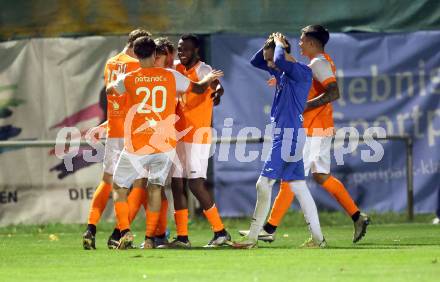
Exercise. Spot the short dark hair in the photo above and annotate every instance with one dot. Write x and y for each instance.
(270, 44)
(163, 46)
(135, 34)
(193, 38)
(317, 32)
(144, 47)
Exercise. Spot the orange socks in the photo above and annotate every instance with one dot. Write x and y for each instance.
(338, 191)
(214, 219)
(281, 204)
(135, 199)
(181, 218)
(162, 225)
(122, 211)
(152, 222)
(99, 201)
(285, 197)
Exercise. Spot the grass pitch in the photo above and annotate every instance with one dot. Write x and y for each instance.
(390, 252)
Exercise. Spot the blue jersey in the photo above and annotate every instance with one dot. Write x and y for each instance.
(293, 84)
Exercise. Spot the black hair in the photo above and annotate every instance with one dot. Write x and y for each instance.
(193, 38)
(317, 32)
(164, 46)
(144, 47)
(135, 34)
(270, 44)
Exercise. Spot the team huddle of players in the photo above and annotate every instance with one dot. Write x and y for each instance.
(158, 133)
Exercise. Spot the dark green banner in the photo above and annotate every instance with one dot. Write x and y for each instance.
(26, 18)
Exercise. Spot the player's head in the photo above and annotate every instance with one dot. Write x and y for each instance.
(269, 49)
(144, 48)
(171, 52)
(188, 49)
(313, 39)
(164, 52)
(135, 34)
(161, 52)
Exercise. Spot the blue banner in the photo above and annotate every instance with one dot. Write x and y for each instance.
(386, 80)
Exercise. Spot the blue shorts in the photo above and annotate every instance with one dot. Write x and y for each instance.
(278, 168)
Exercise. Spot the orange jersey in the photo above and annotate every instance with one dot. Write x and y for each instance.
(151, 104)
(116, 109)
(320, 118)
(195, 111)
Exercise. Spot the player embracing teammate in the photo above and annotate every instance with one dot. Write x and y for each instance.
(193, 150)
(150, 135)
(124, 62)
(120, 132)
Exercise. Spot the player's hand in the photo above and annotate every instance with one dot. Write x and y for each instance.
(95, 133)
(272, 81)
(279, 38)
(217, 94)
(215, 74)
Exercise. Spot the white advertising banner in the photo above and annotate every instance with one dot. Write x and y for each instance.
(45, 85)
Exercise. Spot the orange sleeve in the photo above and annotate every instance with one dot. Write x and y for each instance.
(328, 81)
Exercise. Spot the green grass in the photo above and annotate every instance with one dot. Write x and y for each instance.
(390, 252)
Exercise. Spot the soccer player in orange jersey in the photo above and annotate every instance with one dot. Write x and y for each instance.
(318, 119)
(164, 51)
(195, 113)
(150, 135)
(123, 62)
(137, 195)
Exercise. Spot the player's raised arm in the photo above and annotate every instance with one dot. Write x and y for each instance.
(258, 61)
(295, 70)
(201, 86)
(116, 87)
(184, 84)
(216, 86)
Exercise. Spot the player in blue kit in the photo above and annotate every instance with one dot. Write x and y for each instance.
(285, 163)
